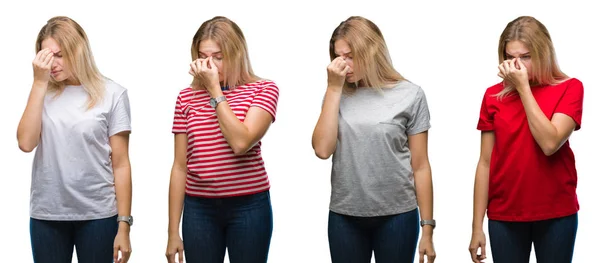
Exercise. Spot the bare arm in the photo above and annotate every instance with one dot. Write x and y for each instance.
(122, 171)
(423, 181)
(177, 185)
(324, 137)
(480, 196)
(242, 136)
(550, 135)
(30, 126)
(119, 144)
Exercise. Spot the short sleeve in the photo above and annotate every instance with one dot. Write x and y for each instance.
(571, 103)
(267, 98)
(420, 118)
(119, 119)
(179, 121)
(486, 121)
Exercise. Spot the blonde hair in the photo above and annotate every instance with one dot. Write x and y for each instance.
(535, 36)
(370, 53)
(236, 62)
(77, 55)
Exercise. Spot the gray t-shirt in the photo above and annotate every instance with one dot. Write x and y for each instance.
(72, 171)
(371, 173)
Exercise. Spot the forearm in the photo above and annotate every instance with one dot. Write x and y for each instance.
(30, 126)
(176, 197)
(123, 191)
(542, 129)
(424, 189)
(480, 195)
(235, 132)
(324, 138)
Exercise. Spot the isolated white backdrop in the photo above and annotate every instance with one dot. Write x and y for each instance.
(447, 47)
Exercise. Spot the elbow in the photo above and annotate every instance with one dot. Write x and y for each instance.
(240, 149)
(549, 151)
(550, 148)
(322, 154)
(26, 147)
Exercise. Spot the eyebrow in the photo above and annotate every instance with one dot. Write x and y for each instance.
(524, 54)
(347, 53)
(216, 53)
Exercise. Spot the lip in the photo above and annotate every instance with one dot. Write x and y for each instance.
(55, 72)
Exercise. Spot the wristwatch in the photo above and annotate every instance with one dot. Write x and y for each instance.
(428, 222)
(126, 219)
(215, 101)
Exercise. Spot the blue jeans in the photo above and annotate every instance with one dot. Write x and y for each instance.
(554, 240)
(392, 238)
(53, 241)
(242, 224)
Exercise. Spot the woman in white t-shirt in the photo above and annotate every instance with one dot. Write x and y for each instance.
(80, 123)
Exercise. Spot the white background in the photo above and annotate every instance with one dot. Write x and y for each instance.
(447, 47)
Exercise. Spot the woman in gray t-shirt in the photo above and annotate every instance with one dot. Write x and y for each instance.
(375, 124)
(79, 121)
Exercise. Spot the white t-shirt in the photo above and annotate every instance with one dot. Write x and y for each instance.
(72, 169)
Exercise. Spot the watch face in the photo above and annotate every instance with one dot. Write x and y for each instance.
(213, 102)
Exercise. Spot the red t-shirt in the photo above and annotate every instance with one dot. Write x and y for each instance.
(213, 169)
(524, 183)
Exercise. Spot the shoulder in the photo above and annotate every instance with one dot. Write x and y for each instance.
(494, 89)
(573, 83)
(261, 85)
(409, 89)
(113, 88)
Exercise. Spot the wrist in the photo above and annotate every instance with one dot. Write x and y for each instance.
(214, 90)
(124, 227)
(40, 83)
(427, 231)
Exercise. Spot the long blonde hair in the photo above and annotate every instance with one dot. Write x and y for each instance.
(236, 61)
(370, 53)
(77, 55)
(535, 36)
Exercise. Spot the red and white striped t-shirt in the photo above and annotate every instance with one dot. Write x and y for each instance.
(213, 169)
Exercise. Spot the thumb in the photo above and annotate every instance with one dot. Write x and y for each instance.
(212, 63)
(345, 71)
(521, 65)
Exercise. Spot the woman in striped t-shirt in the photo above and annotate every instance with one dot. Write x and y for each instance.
(218, 174)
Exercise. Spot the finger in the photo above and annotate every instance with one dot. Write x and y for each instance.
(502, 70)
(48, 60)
(421, 256)
(483, 251)
(512, 64)
(194, 68)
(170, 258)
(180, 252)
(116, 253)
(126, 256)
(212, 64)
(43, 53)
(198, 64)
(431, 257)
(521, 65)
(345, 71)
(204, 64)
(473, 252)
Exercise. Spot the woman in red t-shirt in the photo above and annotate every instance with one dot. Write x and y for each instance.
(218, 177)
(526, 176)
